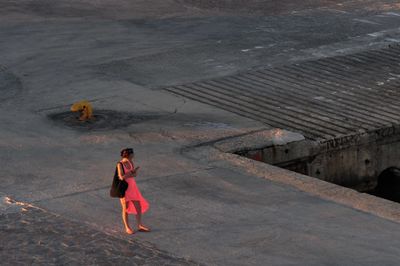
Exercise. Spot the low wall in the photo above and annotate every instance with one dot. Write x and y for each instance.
(353, 161)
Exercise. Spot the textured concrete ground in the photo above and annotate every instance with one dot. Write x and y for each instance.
(205, 210)
(33, 236)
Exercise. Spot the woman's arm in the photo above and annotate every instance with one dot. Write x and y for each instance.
(134, 172)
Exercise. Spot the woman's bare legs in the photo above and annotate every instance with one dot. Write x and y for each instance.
(138, 207)
(125, 219)
(139, 212)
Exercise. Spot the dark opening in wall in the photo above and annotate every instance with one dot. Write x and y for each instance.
(388, 186)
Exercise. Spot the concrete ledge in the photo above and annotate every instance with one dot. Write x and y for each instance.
(364, 202)
(258, 140)
(325, 190)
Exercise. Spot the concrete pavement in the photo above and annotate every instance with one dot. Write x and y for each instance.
(204, 209)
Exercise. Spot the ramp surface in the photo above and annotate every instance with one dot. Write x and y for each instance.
(321, 99)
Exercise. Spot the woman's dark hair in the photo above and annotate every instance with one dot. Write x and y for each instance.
(126, 152)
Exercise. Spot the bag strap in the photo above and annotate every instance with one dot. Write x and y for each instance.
(122, 167)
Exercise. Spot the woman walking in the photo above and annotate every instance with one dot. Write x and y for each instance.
(133, 202)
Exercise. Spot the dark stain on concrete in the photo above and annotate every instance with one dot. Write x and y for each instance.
(103, 120)
(10, 84)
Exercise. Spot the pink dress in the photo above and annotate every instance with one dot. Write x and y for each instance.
(132, 193)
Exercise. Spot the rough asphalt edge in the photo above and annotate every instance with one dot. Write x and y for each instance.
(10, 206)
(328, 191)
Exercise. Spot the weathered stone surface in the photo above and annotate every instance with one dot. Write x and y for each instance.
(33, 236)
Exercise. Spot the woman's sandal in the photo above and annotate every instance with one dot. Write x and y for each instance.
(143, 228)
(129, 231)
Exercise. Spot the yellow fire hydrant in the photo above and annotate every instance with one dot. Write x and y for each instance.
(85, 108)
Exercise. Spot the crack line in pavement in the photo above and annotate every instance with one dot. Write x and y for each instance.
(108, 186)
(212, 142)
